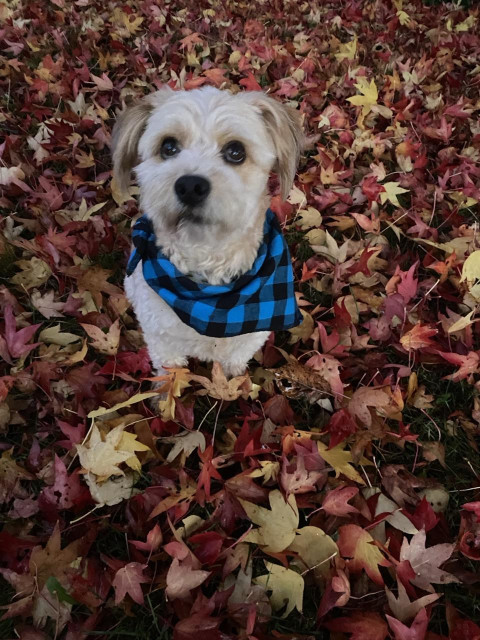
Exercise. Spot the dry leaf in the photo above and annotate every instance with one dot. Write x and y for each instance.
(277, 526)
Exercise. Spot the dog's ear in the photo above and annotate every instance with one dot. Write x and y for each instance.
(284, 125)
(126, 134)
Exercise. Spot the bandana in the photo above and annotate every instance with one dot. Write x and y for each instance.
(262, 299)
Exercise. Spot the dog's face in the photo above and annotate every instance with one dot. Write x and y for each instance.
(203, 157)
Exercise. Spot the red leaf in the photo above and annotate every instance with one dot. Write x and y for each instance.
(250, 83)
(128, 580)
(474, 507)
(16, 341)
(424, 517)
(340, 426)
(417, 631)
(209, 546)
(335, 502)
(198, 627)
(362, 626)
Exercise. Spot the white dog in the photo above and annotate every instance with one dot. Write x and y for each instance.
(202, 160)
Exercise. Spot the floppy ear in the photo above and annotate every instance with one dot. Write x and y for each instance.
(127, 132)
(284, 126)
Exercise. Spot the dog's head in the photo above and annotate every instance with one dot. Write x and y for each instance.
(203, 157)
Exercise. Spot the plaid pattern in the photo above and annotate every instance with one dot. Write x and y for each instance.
(262, 299)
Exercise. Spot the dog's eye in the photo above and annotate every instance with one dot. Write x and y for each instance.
(170, 147)
(234, 152)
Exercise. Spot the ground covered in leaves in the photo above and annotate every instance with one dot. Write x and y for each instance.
(335, 489)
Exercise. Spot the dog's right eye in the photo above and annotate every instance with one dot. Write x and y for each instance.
(170, 147)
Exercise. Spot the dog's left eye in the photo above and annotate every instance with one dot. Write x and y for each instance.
(170, 147)
(234, 152)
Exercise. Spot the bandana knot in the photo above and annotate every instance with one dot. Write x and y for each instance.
(262, 299)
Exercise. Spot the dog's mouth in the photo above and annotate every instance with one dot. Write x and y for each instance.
(192, 215)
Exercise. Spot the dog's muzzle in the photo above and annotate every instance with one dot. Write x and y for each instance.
(192, 190)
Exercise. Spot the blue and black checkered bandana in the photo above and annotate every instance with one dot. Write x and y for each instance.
(262, 299)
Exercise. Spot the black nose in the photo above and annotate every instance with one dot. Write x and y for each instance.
(192, 190)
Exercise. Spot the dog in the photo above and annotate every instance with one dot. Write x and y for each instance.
(202, 159)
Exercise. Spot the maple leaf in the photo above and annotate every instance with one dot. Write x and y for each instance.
(369, 93)
(316, 550)
(52, 560)
(365, 397)
(111, 491)
(356, 543)
(468, 364)
(176, 380)
(401, 606)
(128, 580)
(418, 337)
(295, 478)
(416, 632)
(335, 502)
(286, 587)
(106, 343)
(362, 625)
(392, 190)
(185, 443)
(340, 460)
(46, 304)
(16, 341)
(426, 562)
(66, 490)
(10, 476)
(474, 507)
(101, 456)
(277, 525)
(221, 388)
(183, 576)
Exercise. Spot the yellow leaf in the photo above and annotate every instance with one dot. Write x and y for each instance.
(131, 25)
(467, 24)
(277, 526)
(308, 218)
(461, 323)
(128, 442)
(101, 454)
(463, 201)
(286, 587)
(185, 443)
(138, 397)
(304, 330)
(471, 268)
(176, 380)
(269, 471)
(78, 356)
(53, 335)
(316, 550)
(369, 91)
(102, 457)
(404, 18)
(340, 460)
(392, 190)
(296, 196)
(34, 272)
(106, 343)
(347, 51)
(219, 387)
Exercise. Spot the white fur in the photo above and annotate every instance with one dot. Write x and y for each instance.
(227, 242)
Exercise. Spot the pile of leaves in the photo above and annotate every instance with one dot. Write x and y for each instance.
(333, 491)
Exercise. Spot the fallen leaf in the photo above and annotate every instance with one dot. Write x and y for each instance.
(402, 608)
(358, 546)
(277, 525)
(128, 580)
(286, 587)
(426, 561)
(316, 550)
